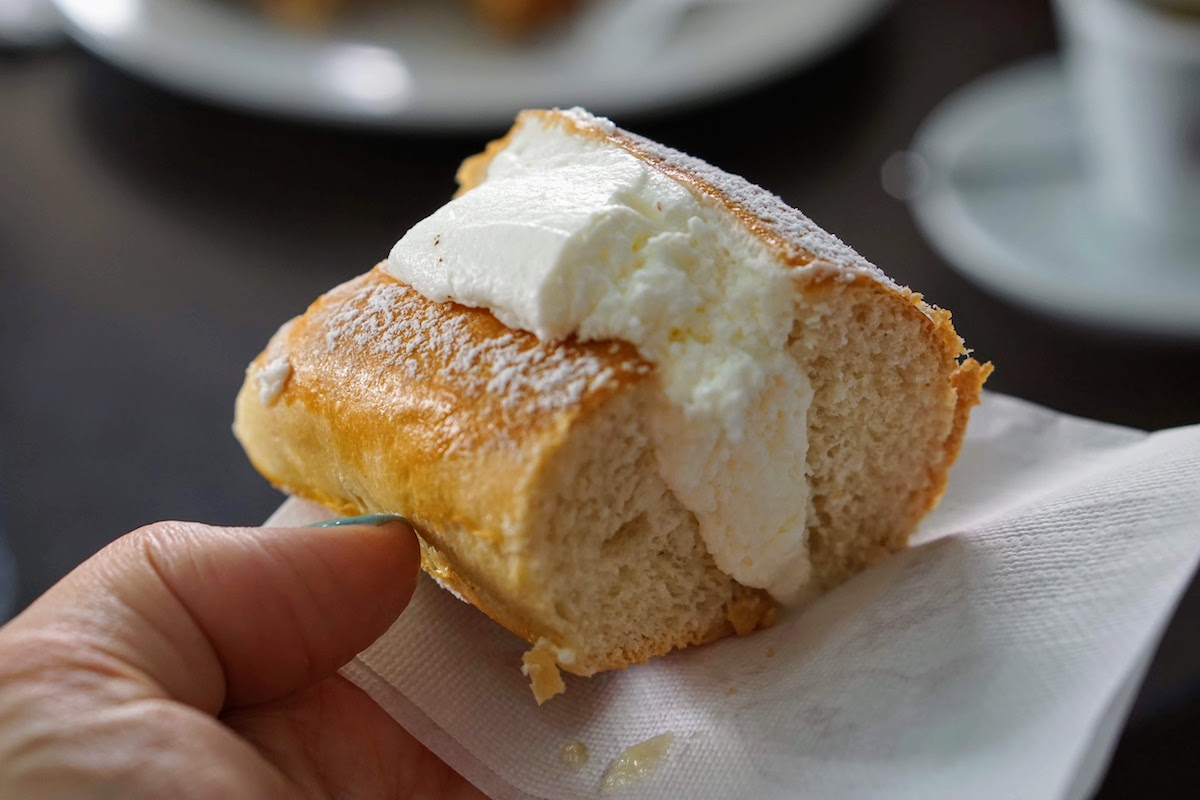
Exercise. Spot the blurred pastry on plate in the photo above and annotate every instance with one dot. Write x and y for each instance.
(510, 17)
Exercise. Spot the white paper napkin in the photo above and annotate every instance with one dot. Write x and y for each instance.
(996, 657)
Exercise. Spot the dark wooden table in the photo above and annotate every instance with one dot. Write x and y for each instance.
(149, 245)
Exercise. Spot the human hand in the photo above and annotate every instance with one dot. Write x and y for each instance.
(188, 661)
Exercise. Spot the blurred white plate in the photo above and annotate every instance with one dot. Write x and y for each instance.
(1001, 193)
(426, 64)
(29, 23)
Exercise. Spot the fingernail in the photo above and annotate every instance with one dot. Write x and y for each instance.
(370, 519)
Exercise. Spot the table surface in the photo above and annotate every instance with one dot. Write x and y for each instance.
(149, 245)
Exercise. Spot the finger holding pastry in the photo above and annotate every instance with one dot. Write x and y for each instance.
(190, 661)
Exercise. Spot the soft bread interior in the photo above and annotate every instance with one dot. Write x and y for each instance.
(890, 401)
(616, 561)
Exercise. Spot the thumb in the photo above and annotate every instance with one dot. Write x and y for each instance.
(224, 617)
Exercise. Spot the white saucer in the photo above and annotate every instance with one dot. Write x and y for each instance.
(1001, 195)
(426, 64)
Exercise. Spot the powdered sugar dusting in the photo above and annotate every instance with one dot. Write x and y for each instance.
(422, 340)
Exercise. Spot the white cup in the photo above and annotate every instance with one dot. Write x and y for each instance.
(1134, 69)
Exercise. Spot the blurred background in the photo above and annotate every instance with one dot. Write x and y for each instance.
(178, 177)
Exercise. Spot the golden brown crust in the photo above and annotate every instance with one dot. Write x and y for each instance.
(966, 377)
(457, 457)
(495, 605)
(447, 434)
(360, 348)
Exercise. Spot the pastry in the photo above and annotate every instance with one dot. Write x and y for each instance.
(630, 402)
(510, 17)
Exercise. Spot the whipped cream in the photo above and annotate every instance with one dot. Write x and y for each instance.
(572, 234)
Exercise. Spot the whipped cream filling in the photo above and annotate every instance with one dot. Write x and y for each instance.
(572, 234)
